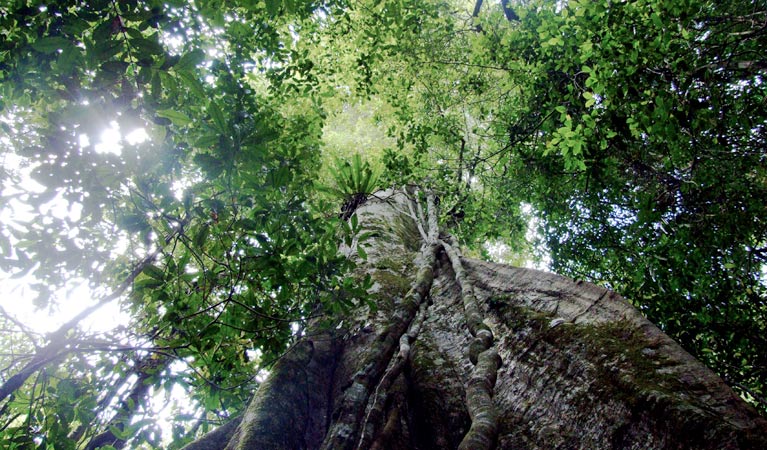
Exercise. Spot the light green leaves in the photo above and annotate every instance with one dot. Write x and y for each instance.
(590, 100)
(178, 118)
(569, 142)
(353, 177)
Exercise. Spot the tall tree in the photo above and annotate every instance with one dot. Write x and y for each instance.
(166, 154)
(459, 353)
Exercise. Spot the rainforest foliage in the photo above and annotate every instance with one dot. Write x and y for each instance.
(189, 160)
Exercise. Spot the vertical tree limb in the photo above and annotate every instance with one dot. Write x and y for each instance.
(475, 13)
(510, 14)
(479, 391)
(381, 394)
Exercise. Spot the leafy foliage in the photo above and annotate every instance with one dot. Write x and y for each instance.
(656, 194)
(353, 177)
(354, 181)
(632, 132)
(205, 220)
(634, 129)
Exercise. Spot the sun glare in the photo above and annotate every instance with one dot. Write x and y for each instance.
(137, 136)
(76, 296)
(110, 140)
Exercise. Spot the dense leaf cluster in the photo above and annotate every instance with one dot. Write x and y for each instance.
(632, 132)
(623, 142)
(659, 118)
(203, 227)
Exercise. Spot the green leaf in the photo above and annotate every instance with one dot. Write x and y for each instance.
(201, 236)
(217, 116)
(656, 20)
(190, 60)
(69, 58)
(134, 223)
(154, 272)
(207, 140)
(262, 240)
(178, 118)
(146, 46)
(212, 166)
(121, 434)
(147, 283)
(115, 66)
(553, 42)
(273, 6)
(51, 44)
(192, 82)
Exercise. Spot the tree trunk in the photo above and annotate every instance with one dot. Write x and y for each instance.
(470, 354)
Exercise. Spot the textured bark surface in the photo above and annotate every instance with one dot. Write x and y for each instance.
(580, 367)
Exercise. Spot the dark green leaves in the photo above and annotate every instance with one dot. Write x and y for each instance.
(49, 45)
(154, 272)
(134, 223)
(217, 117)
(145, 45)
(189, 61)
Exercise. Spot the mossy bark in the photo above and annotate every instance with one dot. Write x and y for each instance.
(581, 367)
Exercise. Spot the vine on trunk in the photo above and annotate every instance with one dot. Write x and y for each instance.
(347, 423)
(484, 356)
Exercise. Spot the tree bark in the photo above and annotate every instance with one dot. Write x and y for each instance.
(466, 353)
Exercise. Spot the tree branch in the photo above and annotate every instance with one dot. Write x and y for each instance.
(216, 439)
(57, 340)
(511, 16)
(477, 7)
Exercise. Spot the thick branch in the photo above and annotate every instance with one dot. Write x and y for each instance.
(216, 439)
(477, 7)
(511, 16)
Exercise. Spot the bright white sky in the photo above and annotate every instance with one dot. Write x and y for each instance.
(17, 298)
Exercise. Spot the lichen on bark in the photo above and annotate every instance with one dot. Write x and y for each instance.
(582, 365)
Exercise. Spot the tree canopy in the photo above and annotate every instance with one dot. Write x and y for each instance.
(621, 142)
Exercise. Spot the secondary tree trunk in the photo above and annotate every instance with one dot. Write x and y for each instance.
(470, 354)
